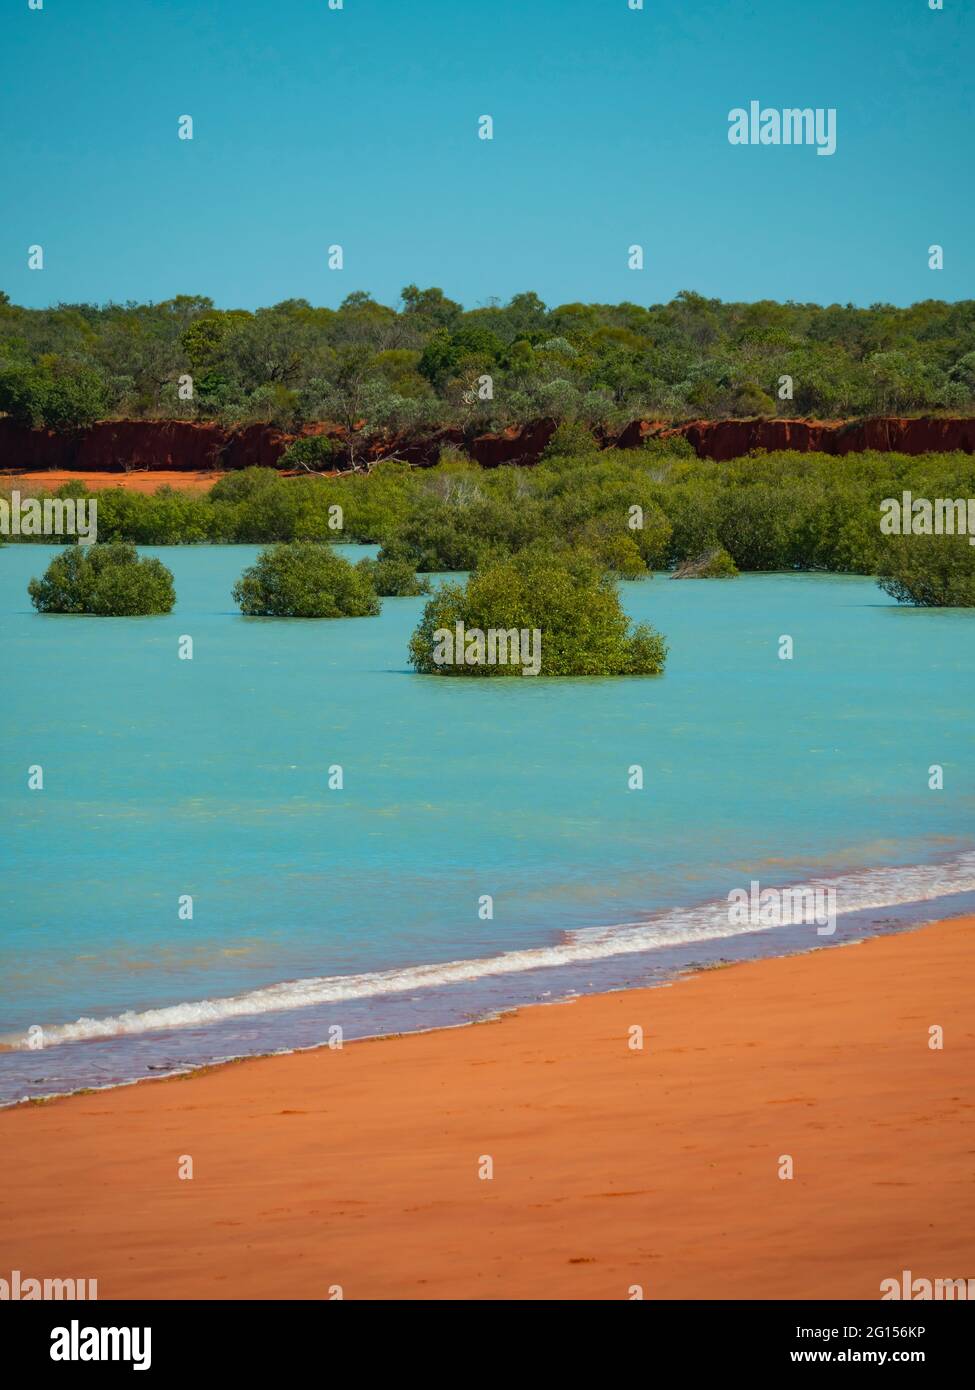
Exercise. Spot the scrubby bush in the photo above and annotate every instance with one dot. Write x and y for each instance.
(305, 580)
(168, 517)
(451, 456)
(929, 571)
(106, 580)
(621, 556)
(462, 528)
(596, 500)
(74, 488)
(243, 484)
(754, 525)
(393, 576)
(676, 446)
(317, 452)
(565, 598)
(713, 564)
(570, 440)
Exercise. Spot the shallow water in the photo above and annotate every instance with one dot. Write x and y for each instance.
(209, 778)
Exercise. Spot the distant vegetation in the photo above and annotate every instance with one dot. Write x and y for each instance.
(632, 511)
(304, 580)
(568, 611)
(429, 362)
(394, 577)
(106, 581)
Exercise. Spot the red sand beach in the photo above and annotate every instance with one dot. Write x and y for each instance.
(612, 1167)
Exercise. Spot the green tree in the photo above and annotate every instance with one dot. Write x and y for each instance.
(61, 399)
(429, 308)
(316, 453)
(570, 440)
(305, 580)
(23, 394)
(393, 576)
(105, 580)
(584, 631)
(929, 571)
(621, 556)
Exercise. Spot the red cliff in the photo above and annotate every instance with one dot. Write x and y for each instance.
(727, 439)
(115, 446)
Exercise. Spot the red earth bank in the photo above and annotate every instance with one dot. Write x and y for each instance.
(182, 446)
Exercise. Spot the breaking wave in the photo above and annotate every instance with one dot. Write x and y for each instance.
(855, 892)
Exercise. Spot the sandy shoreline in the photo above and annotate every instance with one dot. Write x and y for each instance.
(612, 1167)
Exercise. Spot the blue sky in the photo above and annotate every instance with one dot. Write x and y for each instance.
(359, 127)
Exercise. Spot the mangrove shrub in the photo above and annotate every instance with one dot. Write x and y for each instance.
(107, 581)
(929, 571)
(548, 614)
(393, 576)
(305, 580)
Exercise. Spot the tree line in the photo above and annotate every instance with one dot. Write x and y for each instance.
(428, 361)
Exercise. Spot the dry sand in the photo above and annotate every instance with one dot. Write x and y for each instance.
(144, 480)
(612, 1167)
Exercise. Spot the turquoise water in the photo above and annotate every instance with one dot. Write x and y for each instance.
(209, 777)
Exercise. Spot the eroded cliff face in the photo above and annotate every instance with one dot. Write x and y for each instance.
(727, 439)
(114, 446)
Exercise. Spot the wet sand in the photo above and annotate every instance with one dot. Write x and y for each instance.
(612, 1167)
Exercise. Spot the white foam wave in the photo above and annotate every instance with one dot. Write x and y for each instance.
(866, 889)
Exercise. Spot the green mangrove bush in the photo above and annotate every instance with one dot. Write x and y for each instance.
(394, 577)
(536, 613)
(713, 564)
(929, 571)
(105, 580)
(303, 579)
(635, 511)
